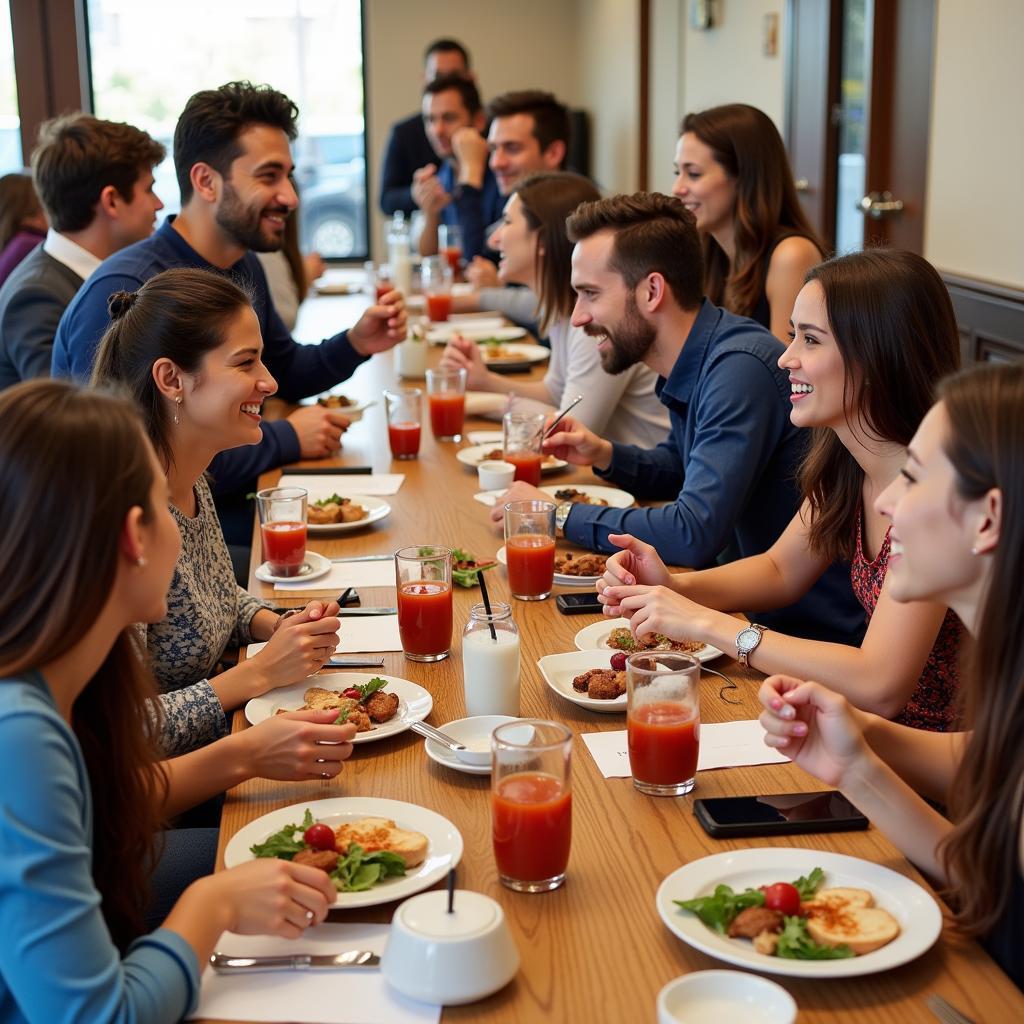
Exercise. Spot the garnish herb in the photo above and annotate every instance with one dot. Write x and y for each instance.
(285, 843)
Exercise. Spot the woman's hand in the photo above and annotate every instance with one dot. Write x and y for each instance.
(297, 746)
(462, 354)
(637, 562)
(660, 610)
(814, 727)
(299, 646)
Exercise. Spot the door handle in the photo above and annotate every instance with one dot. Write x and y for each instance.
(880, 204)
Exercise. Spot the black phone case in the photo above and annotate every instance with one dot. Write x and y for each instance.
(779, 828)
(570, 609)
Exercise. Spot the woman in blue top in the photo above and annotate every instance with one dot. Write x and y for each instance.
(87, 548)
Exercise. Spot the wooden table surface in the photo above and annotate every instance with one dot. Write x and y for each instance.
(595, 949)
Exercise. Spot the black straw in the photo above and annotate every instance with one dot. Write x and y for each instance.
(451, 891)
(487, 604)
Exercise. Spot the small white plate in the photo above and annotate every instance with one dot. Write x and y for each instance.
(351, 412)
(443, 852)
(559, 671)
(414, 703)
(377, 508)
(514, 354)
(595, 637)
(916, 911)
(615, 497)
(469, 731)
(478, 330)
(312, 568)
(474, 455)
(702, 997)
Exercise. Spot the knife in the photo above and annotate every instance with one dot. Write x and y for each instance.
(224, 964)
(365, 558)
(354, 663)
(356, 612)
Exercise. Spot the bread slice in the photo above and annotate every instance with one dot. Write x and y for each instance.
(852, 897)
(838, 922)
(374, 834)
(319, 699)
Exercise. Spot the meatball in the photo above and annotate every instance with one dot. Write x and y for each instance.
(381, 706)
(749, 923)
(325, 860)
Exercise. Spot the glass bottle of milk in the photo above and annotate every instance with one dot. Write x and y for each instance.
(490, 665)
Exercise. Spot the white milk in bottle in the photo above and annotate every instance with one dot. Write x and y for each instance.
(490, 665)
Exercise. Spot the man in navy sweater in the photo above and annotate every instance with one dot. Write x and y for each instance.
(234, 169)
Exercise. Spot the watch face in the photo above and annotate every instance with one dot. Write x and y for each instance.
(748, 638)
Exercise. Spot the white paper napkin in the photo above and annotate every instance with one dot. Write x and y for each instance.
(347, 574)
(488, 498)
(484, 437)
(722, 745)
(357, 996)
(363, 634)
(342, 483)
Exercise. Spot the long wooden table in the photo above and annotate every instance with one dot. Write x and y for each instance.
(594, 949)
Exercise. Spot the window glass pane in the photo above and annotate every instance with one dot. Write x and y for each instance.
(148, 58)
(10, 125)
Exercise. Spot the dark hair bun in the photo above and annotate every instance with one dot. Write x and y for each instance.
(119, 303)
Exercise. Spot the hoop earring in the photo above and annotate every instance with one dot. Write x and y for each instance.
(177, 409)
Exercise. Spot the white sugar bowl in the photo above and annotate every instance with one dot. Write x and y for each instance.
(455, 958)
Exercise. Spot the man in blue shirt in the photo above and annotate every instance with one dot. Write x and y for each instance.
(729, 464)
(463, 190)
(234, 165)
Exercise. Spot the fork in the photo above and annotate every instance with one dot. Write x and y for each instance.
(946, 1012)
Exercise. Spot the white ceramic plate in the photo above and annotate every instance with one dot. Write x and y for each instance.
(414, 703)
(512, 354)
(443, 852)
(377, 508)
(469, 731)
(352, 412)
(616, 498)
(595, 636)
(477, 330)
(560, 578)
(313, 567)
(474, 455)
(916, 911)
(559, 670)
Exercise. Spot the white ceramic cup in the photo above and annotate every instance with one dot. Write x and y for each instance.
(714, 997)
(496, 476)
(451, 959)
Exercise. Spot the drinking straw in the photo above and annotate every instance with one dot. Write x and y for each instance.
(487, 604)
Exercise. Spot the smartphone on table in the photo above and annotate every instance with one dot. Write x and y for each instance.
(779, 814)
(578, 604)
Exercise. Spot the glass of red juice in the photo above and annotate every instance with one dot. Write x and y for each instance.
(423, 576)
(436, 279)
(531, 803)
(283, 529)
(530, 549)
(405, 412)
(378, 279)
(522, 434)
(663, 721)
(446, 396)
(449, 245)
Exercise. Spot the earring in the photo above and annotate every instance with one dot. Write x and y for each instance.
(140, 562)
(177, 409)
(974, 550)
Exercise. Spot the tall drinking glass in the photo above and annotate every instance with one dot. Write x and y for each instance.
(449, 245)
(531, 803)
(446, 394)
(283, 528)
(530, 548)
(522, 433)
(663, 721)
(436, 278)
(404, 408)
(423, 576)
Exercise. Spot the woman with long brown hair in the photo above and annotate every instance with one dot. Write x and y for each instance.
(873, 334)
(536, 252)
(733, 173)
(82, 791)
(957, 514)
(23, 223)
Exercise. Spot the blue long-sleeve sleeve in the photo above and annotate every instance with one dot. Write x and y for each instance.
(473, 209)
(57, 960)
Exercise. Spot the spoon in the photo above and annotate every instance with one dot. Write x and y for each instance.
(561, 416)
(479, 758)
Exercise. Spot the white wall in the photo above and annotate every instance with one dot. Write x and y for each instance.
(974, 217)
(665, 88)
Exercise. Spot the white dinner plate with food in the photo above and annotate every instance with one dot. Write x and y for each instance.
(474, 733)
(477, 330)
(444, 841)
(375, 509)
(611, 497)
(559, 670)
(313, 567)
(502, 353)
(414, 703)
(475, 454)
(344, 405)
(563, 579)
(916, 912)
(597, 633)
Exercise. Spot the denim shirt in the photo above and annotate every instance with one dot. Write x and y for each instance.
(473, 209)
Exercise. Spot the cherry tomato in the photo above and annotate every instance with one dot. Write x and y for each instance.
(619, 661)
(352, 693)
(320, 837)
(782, 897)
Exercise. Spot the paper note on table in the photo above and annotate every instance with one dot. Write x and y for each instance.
(484, 437)
(364, 634)
(347, 996)
(722, 745)
(344, 484)
(347, 574)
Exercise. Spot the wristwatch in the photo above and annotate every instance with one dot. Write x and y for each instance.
(561, 515)
(747, 640)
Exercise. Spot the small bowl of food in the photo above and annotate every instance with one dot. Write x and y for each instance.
(711, 997)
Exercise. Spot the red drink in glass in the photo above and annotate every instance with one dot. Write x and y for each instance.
(439, 306)
(453, 254)
(527, 466)
(405, 440)
(284, 547)
(425, 618)
(531, 564)
(663, 743)
(383, 287)
(447, 414)
(532, 826)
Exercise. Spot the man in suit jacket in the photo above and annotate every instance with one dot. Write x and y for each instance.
(408, 147)
(95, 181)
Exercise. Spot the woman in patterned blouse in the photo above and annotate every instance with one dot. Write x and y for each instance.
(873, 333)
(187, 347)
